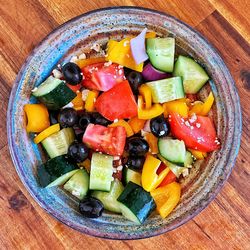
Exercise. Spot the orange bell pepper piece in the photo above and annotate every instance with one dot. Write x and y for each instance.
(124, 124)
(177, 106)
(199, 155)
(85, 62)
(37, 117)
(145, 92)
(136, 124)
(153, 142)
(150, 34)
(90, 101)
(78, 101)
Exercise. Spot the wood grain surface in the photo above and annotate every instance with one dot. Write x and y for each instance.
(224, 224)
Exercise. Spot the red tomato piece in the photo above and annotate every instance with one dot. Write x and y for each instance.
(75, 88)
(100, 77)
(117, 103)
(199, 134)
(107, 140)
(171, 177)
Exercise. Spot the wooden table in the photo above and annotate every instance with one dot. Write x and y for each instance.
(224, 224)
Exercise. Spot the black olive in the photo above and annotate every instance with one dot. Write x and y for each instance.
(78, 133)
(137, 146)
(159, 126)
(91, 207)
(97, 118)
(135, 162)
(53, 117)
(84, 120)
(78, 151)
(135, 79)
(67, 117)
(72, 73)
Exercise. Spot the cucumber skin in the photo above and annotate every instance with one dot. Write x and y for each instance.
(138, 201)
(58, 97)
(53, 169)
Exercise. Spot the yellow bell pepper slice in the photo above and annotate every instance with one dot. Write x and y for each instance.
(150, 34)
(120, 52)
(78, 101)
(136, 124)
(177, 106)
(166, 198)
(199, 155)
(146, 114)
(152, 142)
(46, 133)
(145, 92)
(90, 101)
(200, 108)
(37, 117)
(85, 164)
(124, 124)
(85, 62)
(150, 179)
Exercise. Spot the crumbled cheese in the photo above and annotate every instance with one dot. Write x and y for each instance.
(185, 172)
(161, 133)
(126, 43)
(193, 118)
(120, 71)
(82, 56)
(192, 127)
(59, 66)
(187, 123)
(106, 55)
(34, 89)
(73, 59)
(119, 168)
(96, 47)
(106, 64)
(69, 105)
(115, 120)
(120, 66)
(116, 158)
(57, 74)
(189, 166)
(198, 125)
(114, 170)
(85, 93)
(120, 162)
(76, 192)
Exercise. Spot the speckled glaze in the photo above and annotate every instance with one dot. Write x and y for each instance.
(77, 35)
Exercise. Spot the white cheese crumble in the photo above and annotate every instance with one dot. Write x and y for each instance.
(82, 56)
(106, 64)
(73, 59)
(119, 168)
(198, 125)
(76, 193)
(126, 43)
(193, 118)
(57, 73)
(161, 133)
(69, 105)
(115, 120)
(96, 47)
(116, 158)
(185, 172)
(85, 93)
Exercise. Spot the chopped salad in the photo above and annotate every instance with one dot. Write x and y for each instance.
(123, 127)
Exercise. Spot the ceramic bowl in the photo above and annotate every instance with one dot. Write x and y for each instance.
(78, 34)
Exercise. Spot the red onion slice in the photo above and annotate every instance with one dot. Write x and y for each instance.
(150, 73)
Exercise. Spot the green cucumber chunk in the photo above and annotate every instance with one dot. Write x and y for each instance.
(161, 53)
(193, 75)
(78, 184)
(172, 150)
(166, 90)
(109, 199)
(59, 142)
(101, 172)
(54, 93)
(135, 203)
(55, 171)
(131, 175)
(188, 160)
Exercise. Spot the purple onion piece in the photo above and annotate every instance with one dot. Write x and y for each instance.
(150, 73)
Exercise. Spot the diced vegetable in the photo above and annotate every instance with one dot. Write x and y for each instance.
(107, 140)
(146, 114)
(47, 132)
(193, 75)
(117, 103)
(78, 103)
(188, 160)
(55, 171)
(161, 53)
(177, 106)
(145, 92)
(78, 184)
(166, 198)
(166, 90)
(170, 177)
(199, 135)
(120, 52)
(85, 62)
(199, 155)
(109, 199)
(37, 117)
(135, 203)
(131, 175)
(101, 172)
(59, 142)
(124, 124)
(150, 179)
(153, 142)
(172, 150)
(85, 164)
(152, 74)
(136, 124)
(54, 93)
(90, 101)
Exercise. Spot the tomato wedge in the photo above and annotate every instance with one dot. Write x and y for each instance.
(117, 103)
(101, 76)
(199, 134)
(107, 140)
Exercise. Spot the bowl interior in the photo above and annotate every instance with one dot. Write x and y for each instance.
(78, 35)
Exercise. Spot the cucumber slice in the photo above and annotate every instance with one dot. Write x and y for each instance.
(161, 53)
(58, 143)
(131, 175)
(172, 150)
(166, 90)
(55, 171)
(135, 203)
(193, 75)
(54, 93)
(109, 199)
(188, 159)
(101, 172)
(78, 184)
